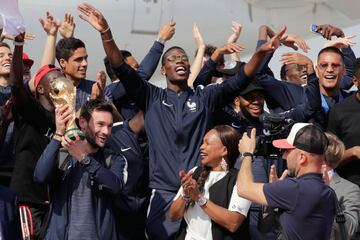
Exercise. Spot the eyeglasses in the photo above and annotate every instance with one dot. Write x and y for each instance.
(173, 58)
(334, 66)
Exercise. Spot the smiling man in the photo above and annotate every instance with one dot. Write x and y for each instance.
(330, 70)
(83, 186)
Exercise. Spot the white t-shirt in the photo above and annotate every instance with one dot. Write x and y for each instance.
(198, 222)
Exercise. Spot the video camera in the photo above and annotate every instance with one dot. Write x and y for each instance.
(276, 126)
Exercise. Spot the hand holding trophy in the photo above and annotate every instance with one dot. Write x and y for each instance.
(63, 92)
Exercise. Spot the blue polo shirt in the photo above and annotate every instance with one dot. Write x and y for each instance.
(306, 204)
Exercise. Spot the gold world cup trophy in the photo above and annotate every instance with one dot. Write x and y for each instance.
(63, 91)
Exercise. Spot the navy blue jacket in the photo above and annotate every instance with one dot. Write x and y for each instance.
(176, 123)
(107, 180)
(133, 196)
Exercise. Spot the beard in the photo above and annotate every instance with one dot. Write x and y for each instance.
(89, 136)
(291, 173)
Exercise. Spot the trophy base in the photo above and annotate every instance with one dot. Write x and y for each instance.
(72, 135)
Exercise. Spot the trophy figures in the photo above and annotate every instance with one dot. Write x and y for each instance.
(62, 91)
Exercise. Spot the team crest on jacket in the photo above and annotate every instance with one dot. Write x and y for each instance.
(191, 105)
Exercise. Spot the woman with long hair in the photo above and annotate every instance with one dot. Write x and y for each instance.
(207, 201)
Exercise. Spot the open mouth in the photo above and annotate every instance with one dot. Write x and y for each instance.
(6, 65)
(180, 70)
(330, 77)
(304, 77)
(202, 155)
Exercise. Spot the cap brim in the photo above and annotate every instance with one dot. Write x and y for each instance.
(282, 144)
(28, 62)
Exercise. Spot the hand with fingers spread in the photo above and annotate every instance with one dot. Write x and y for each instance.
(93, 16)
(67, 26)
(228, 48)
(273, 175)
(274, 42)
(236, 28)
(297, 58)
(342, 42)
(98, 87)
(166, 32)
(50, 25)
(327, 31)
(199, 41)
(295, 42)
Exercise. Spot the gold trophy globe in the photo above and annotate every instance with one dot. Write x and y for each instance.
(63, 91)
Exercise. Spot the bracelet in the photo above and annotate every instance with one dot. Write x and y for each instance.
(105, 30)
(186, 198)
(107, 40)
(161, 40)
(19, 43)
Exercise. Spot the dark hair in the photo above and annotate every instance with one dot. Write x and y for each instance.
(125, 53)
(164, 56)
(332, 50)
(283, 72)
(229, 137)
(66, 47)
(209, 50)
(95, 104)
(4, 44)
(356, 67)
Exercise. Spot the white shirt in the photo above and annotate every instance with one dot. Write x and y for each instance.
(198, 222)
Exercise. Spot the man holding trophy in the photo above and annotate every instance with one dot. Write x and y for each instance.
(83, 185)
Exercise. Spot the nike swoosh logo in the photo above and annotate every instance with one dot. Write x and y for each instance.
(125, 149)
(166, 104)
(235, 126)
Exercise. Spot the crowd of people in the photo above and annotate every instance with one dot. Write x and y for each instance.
(225, 151)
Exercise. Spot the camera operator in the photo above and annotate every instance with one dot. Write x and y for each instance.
(306, 203)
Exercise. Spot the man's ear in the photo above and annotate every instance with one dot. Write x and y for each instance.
(82, 122)
(62, 62)
(162, 70)
(40, 89)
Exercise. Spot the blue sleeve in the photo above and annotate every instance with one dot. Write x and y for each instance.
(349, 59)
(148, 65)
(115, 91)
(110, 179)
(264, 66)
(46, 165)
(218, 95)
(141, 91)
(282, 194)
(287, 95)
(205, 74)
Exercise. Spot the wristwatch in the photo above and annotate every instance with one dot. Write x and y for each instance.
(202, 201)
(247, 154)
(85, 161)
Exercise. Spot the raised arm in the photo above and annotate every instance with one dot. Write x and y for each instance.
(150, 62)
(18, 89)
(134, 85)
(236, 28)
(50, 27)
(196, 65)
